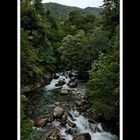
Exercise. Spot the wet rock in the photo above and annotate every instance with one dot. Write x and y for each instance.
(71, 124)
(73, 91)
(73, 84)
(60, 83)
(78, 103)
(64, 91)
(63, 120)
(52, 134)
(83, 136)
(58, 112)
(40, 122)
(71, 116)
(64, 117)
(71, 75)
(85, 97)
(55, 76)
(72, 79)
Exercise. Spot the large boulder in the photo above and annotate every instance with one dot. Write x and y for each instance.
(41, 122)
(58, 112)
(60, 83)
(83, 136)
(73, 84)
(64, 91)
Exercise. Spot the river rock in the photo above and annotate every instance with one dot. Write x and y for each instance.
(64, 91)
(73, 84)
(72, 79)
(71, 124)
(83, 136)
(58, 112)
(52, 134)
(71, 75)
(64, 119)
(71, 116)
(78, 103)
(85, 97)
(60, 83)
(73, 91)
(41, 122)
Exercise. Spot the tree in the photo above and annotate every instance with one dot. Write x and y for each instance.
(103, 85)
(73, 51)
(82, 22)
(38, 6)
(26, 125)
(110, 14)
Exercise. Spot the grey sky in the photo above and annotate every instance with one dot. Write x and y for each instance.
(78, 3)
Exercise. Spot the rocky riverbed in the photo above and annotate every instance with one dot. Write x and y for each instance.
(59, 111)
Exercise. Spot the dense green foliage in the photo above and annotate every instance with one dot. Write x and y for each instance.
(73, 39)
(26, 125)
(103, 85)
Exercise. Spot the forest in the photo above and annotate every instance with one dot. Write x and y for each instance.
(80, 41)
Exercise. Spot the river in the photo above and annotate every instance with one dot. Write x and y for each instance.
(42, 103)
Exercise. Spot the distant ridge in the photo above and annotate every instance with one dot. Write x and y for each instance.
(63, 11)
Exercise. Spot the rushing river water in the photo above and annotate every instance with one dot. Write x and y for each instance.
(42, 103)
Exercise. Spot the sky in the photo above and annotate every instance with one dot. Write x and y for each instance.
(78, 3)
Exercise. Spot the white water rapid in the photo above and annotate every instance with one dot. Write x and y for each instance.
(53, 83)
(82, 125)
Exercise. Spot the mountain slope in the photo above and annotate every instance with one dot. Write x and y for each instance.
(63, 11)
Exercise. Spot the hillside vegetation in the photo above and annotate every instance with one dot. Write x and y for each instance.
(63, 11)
(52, 41)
